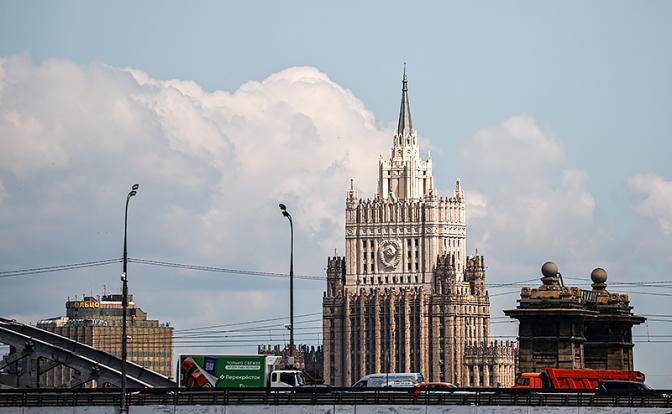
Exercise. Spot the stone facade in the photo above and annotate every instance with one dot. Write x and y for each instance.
(406, 298)
(567, 327)
(491, 365)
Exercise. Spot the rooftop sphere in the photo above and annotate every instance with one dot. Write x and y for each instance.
(549, 269)
(598, 275)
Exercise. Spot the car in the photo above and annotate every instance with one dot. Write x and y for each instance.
(625, 386)
(433, 388)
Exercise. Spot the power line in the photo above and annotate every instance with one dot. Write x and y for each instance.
(248, 322)
(57, 268)
(219, 269)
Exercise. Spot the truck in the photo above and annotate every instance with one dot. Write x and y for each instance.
(583, 379)
(225, 371)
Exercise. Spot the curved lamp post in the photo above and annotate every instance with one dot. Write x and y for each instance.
(285, 213)
(124, 305)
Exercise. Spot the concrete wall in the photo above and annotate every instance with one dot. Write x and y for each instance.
(330, 409)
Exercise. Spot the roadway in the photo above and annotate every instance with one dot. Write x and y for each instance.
(323, 396)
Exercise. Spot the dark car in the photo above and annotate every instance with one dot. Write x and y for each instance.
(617, 385)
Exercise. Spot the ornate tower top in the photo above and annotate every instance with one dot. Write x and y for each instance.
(405, 176)
(405, 124)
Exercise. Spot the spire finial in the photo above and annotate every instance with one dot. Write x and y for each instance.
(405, 125)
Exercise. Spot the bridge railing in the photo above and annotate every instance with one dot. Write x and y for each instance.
(333, 396)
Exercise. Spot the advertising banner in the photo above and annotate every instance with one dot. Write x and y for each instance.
(219, 371)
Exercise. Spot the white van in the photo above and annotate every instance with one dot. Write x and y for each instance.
(404, 379)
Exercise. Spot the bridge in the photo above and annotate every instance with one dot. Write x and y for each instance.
(53, 350)
(321, 400)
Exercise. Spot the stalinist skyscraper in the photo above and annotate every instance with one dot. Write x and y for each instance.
(406, 297)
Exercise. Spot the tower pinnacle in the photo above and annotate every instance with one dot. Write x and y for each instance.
(405, 125)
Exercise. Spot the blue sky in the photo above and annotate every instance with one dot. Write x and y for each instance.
(556, 115)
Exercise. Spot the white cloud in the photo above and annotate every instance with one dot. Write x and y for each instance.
(518, 147)
(525, 204)
(213, 167)
(657, 202)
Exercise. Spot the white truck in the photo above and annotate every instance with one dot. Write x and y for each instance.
(236, 371)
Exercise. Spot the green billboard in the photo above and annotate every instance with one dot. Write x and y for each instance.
(219, 371)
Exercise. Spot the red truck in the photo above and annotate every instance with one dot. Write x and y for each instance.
(578, 379)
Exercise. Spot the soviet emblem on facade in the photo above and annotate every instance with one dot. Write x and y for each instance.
(390, 254)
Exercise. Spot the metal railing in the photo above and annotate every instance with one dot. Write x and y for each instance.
(333, 396)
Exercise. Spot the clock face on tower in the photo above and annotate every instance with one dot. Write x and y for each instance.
(390, 254)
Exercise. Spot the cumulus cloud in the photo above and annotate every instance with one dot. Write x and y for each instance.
(657, 202)
(213, 167)
(525, 203)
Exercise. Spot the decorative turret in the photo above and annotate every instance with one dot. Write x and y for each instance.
(335, 276)
(352, 193)
(474, 273)
(445, 279)
(458, 193)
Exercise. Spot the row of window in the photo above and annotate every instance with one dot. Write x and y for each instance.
(392, 279)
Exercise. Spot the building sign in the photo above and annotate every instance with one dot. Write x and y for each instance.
(82, 304)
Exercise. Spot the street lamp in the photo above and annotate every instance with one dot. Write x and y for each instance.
(285, 213)
(124, 305)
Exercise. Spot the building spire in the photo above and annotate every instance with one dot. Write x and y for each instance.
(405, 124)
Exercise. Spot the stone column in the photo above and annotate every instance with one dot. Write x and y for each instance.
(436, 344)
(393, 334)
(377, 333)
(360, 259)
(362, 351)
(352, 256)
(326, 346)
(479, 326)
(486, 374)
(347, 351)
(449, 347)
(407, 332)
(412, 253)
(375, 256)
(461, 340)
(423, 320)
